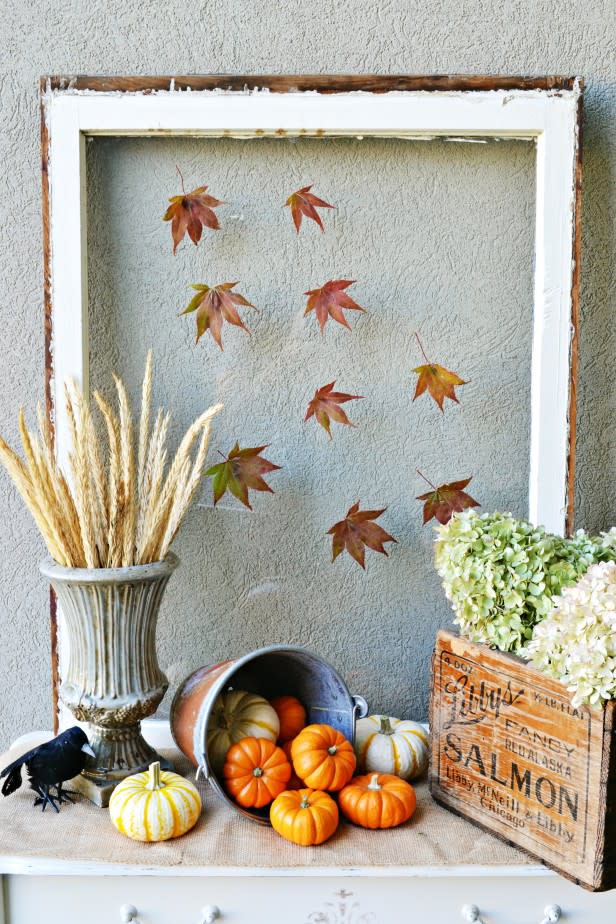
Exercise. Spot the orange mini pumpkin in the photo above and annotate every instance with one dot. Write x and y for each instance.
(255, 772)
(323, 758)
(377, 800)
(291, 714)
(304, 816)
(294, 782)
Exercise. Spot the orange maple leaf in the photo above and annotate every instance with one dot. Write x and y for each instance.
(358, 530)
(445, 500)
(330, 301)
(215, 305)
(241, 470)
(190, 212)
(439, 382)
(303, 202)
(325, 407)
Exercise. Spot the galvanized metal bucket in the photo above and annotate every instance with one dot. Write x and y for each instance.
(273, 671)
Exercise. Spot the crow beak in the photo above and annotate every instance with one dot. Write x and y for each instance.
(88, 750)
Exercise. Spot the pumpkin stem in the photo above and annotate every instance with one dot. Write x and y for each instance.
(331, 751)
(374, 783)
(305, 803)
(154, 781)
(257, 771)
(386, 728)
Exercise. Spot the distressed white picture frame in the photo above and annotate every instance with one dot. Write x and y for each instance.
(542, 111)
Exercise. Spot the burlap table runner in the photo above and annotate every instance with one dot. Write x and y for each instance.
(223, 838)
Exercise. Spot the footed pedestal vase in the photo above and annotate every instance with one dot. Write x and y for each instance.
(112, 680)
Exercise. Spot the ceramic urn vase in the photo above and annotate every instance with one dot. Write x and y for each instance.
(112, 679)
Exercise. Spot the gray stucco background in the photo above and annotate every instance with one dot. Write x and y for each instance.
(421, 229)
(473, 225)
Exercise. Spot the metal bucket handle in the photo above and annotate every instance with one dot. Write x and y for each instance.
(360, 707)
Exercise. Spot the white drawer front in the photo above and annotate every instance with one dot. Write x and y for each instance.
(300, 900)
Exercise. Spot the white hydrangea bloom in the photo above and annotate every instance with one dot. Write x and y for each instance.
(576, 642)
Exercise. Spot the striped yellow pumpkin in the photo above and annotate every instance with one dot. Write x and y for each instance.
(387, 745)
(237, 714)
(155, 805)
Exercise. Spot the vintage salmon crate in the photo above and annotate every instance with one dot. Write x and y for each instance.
(510, 753)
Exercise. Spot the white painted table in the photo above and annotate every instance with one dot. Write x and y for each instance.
(170, 884)
(162, 897)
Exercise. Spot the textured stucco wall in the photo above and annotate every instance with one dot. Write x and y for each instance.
(430, 233)
(464, 232)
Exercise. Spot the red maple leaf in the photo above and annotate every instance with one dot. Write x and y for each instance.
(358, 530)
(325, 407)
(241, 470)
(330, 301)
(190, 212)
(445, 500)
(439, 382)
(303, 202)
(215, 305)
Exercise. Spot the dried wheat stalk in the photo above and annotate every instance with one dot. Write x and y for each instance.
(144, 424)
(120, 505)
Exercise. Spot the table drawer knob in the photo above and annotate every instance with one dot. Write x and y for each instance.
(128, 913)
(209, 914)
(471, 913)
(551, 914)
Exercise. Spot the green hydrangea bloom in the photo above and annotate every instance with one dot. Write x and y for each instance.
(501, 574)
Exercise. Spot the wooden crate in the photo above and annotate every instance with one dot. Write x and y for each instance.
(510, 753)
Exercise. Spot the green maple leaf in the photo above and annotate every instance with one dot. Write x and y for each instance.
(241, 471)
(215, 305)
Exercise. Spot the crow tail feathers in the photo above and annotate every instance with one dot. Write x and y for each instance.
(13, 781)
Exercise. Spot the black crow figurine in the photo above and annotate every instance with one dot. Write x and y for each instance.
(50, 764)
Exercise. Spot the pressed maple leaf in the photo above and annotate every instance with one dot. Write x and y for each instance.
(330, 301)
(241, 471)
(303, 202)
(215, 305)
(357, 531)
(190, 212)
(325, 407)
(436, 380)
(445, 500)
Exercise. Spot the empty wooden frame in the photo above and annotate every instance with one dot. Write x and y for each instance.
(545, 111)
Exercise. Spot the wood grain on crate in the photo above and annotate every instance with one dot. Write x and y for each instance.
(510, 753)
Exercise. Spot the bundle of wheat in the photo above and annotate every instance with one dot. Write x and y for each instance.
(113, 509)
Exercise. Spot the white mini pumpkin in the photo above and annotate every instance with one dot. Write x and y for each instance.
(237, 714)
(387, 745)
(154, 805)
